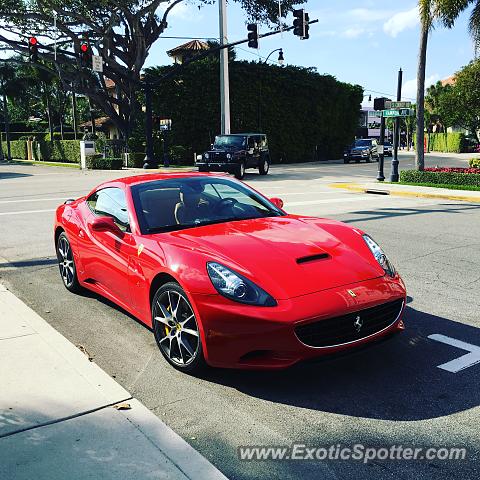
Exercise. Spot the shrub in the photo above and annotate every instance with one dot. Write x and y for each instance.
(18, 149)
(97, 162)
(179, 155)
(136, 159)
(440, 177)
(474, 162)
(61, 151)
(446, 142)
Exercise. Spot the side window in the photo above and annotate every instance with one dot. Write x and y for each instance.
(110, 202)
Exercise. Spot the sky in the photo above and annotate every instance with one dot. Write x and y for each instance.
(363, 41)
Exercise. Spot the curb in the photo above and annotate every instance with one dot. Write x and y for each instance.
(353, 187)
(27, 323)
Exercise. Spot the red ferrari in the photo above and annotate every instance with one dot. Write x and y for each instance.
(223, 275)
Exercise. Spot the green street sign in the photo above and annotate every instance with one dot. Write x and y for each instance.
(393, 113)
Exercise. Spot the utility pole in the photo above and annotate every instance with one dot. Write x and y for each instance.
(381, 160)
(224, 78)
(74, 113)
(394, 173)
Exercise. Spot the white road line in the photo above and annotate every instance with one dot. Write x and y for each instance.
(24, 212)
(330, 200)
(26, 200)
(460, 363)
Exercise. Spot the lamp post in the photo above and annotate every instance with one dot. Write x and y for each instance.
(150, 161)
(281, 61)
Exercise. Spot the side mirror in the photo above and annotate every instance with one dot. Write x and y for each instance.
(211, 146)
(105, 224)
(278, 202)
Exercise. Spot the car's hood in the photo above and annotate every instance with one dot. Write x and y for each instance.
(287, 256)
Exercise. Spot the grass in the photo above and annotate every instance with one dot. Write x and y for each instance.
(440, 185)
(48, 164)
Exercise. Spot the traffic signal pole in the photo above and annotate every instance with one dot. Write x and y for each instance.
(224, 74)
(381, 176)
(394, 177)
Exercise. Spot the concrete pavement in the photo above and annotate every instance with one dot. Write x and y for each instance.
(61, 416)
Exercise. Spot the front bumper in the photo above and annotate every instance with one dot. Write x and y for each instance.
(216, 166)
(241, 336)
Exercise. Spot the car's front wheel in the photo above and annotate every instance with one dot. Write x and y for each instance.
(66, 264)
(240, 170)
(175, 327)
(264, 166)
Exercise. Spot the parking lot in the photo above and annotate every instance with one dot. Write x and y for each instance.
(394, 393)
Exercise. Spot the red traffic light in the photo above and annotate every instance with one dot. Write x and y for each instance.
(84, 47)
(33, 41)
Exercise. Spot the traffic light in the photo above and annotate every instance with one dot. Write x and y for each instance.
(252, 35)
(306, 27)
(379, 103)
(299, 23)
(85, 55)
(33, 49)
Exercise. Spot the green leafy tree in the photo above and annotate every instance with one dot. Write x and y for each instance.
(122, 32)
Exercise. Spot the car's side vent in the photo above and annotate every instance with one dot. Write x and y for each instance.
(313, 258)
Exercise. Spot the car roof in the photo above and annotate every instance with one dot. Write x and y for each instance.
(239, 134)
(152, 177)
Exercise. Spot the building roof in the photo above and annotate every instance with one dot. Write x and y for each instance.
(449, 81)
(192, 46)
(99, 122)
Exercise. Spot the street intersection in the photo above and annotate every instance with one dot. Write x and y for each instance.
(394, 393)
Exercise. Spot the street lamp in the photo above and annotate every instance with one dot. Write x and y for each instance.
(281, 59)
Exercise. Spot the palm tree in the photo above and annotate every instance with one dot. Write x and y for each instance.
(447, 11)
(426, 22)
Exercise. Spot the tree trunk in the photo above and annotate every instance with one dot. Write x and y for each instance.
(422, 63)
(7, 125)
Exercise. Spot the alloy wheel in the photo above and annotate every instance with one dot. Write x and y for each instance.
(179, 335)
(65, 262)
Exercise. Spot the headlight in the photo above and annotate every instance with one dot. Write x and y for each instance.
(207, 156)
(199, 157)
(229, 156)
(364, 153)
(236, 287)
(380, 257)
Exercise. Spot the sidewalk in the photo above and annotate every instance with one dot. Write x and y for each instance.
(57, 414)
(409, 191)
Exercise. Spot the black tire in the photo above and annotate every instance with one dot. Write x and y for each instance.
(264, 165)
(346, 160)
(66, 264)
(183, 351)
(240, 170)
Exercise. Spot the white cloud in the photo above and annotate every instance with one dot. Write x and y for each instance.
(369, 15)
(409, 89)
(402, 21)
(182, 11)
(354, 32)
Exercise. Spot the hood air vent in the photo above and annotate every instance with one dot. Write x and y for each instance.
(313, 258)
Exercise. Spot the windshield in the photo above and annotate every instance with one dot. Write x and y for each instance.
(363, 143)
(229, 141)
(168, 205)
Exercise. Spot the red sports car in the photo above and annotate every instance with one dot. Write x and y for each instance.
(223, 275)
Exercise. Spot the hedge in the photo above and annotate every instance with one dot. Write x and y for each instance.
(446, 142)
(18, 149)
(96, 162)
(136, 159)
(306, 116)
(440, 178)
(24, 135)
(61, 151)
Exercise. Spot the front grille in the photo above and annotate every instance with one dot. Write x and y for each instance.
(340, 330)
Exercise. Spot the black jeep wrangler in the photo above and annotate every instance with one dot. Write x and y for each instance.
(235, 153)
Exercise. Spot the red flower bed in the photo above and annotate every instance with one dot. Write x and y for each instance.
(453, 170)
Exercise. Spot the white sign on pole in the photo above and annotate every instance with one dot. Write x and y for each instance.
(97, 63)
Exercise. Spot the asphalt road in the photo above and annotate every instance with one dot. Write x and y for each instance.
(390, 394)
